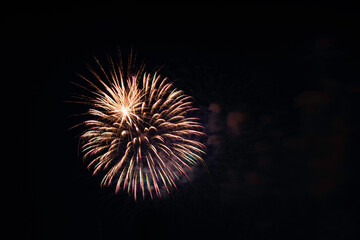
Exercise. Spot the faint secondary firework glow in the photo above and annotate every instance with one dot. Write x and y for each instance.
(139, 130)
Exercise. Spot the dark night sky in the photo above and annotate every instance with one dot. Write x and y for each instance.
(278, 88)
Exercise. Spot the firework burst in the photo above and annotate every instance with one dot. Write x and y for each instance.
(140, 132)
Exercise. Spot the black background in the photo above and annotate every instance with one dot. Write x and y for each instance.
(290, 73)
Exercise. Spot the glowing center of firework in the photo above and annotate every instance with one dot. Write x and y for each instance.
(125, 111)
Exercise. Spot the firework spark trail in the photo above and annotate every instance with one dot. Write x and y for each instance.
(139, 131)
